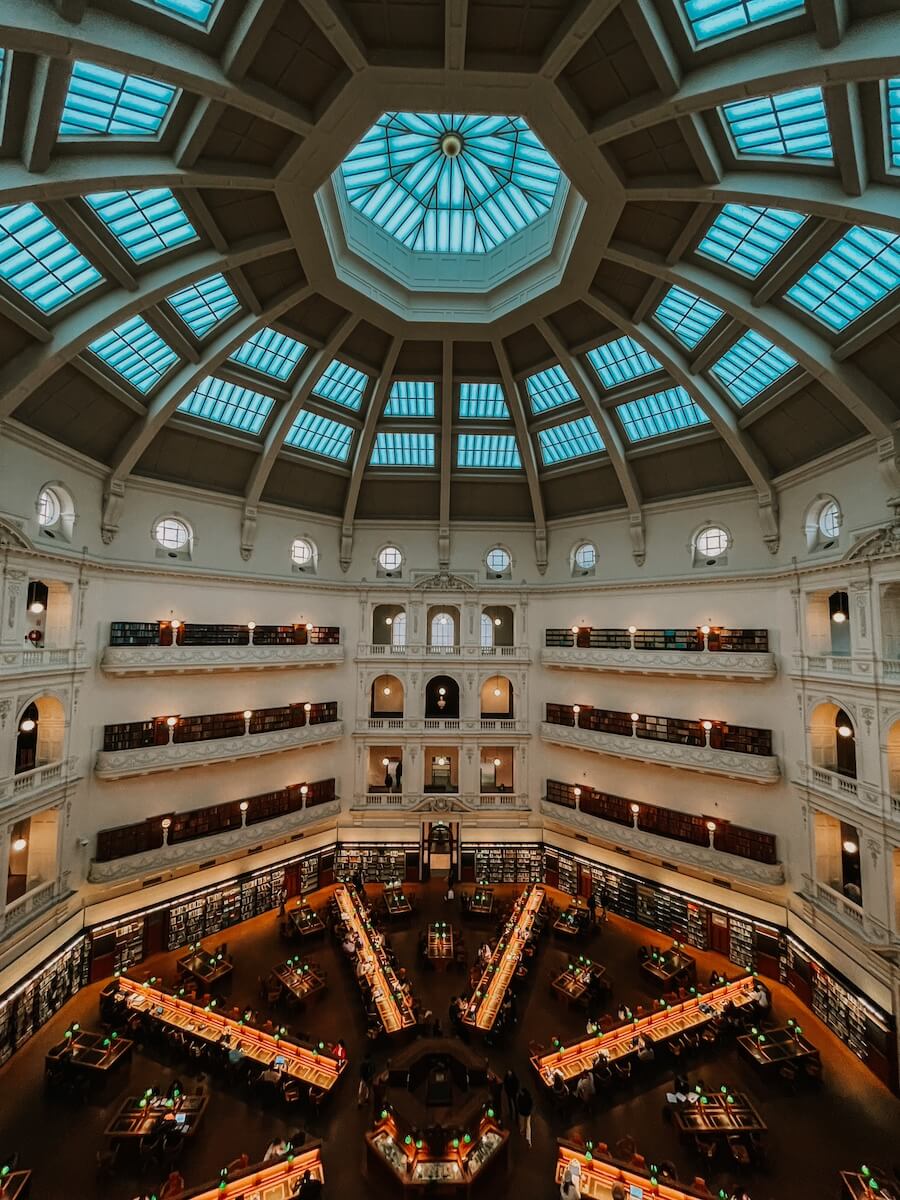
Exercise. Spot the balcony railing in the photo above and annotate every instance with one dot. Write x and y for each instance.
(41, 660)
(420, 650)
(147, 648)
(33, 785)
(441, 725)
(443, 801)
(718, 653)
(30, 906)
(850, 791)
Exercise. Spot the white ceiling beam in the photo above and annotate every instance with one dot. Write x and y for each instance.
(447, 399)
(237, 277)
(332, 19)
(12, 311)
(255, 19)
(456, 21)
(699, 220)
(515, 402)
(703, 150)
(49, 87)
(872, 329)
(198, 208)
(198, 128)
(806, 245)
(584, 17)
(98, 251)
(830, 18)
(723, 334)
(848, 136)
(162, 317)
(115, 387)
(655, 44)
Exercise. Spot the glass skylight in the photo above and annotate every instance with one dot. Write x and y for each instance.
(136, 352)
(145, 223)
(2, 63)
(750, 366)
(482, 402)
(203, 305)
(710, 19)
(663, 412)
(573, 439)
(228, 404)
(270, 353)
(549, 389)
(620, 361)
(410, 398)
(892, 116)
(342, 384)
(102, 102)
(687, 316)
(788, 125)
(403, 450)
(747, 238)
(39, 261)
(200, 12)
(450, 183)
(320, 435)
(490, 451)
(858, 271)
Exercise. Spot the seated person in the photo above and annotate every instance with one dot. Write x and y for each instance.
(173, 1186)
(308, 1188)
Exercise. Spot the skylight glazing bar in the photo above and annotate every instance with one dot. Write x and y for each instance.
(892, 119)
(747, 238)
(145, 223)
(403, 450)
(410, 398)
(271, 353)
(663, 412)
(550, 389)
(787, 125)
(620, 361)
(709, 19)
(573, 439)
(750, 366)
(855, 274)
(482, 402)
(687, 316)
(320, 435)
(341, 384)
(228, 404)
(495, 452)
(203, 305)
(136, 352)
(38, 261)
(102, 102)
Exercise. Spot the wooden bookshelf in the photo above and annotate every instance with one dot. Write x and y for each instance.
(739, 739)
(736, 641)
(134, 735)
(160, 633)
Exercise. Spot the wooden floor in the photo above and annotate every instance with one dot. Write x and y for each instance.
(812, 1135)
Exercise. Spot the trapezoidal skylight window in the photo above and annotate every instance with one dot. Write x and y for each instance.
(664, 412)
(493, 452)
(550, 389)
(621, 361)
(750, 366)
(787, 125)
(136, 352)
(270, 353)
(102, 102)
(482, 402)
(410, 398)
(892, 120)
(687, 316)
(198, 12)
(228, 404)
(38, 261)
(858, 271)
(403, 450)
(573, 439)
(450, 183)
(145, 223)
(320, 435)
(203, 305)
(341, 384)
(709, 19)
(747, 238)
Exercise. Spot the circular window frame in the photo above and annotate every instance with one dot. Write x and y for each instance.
(54, 505)
(183, 548)
(387, 568)
(309, 562)
(584, 568)
(817, 538)
(498, 572)
(704, 556)
(62, 526)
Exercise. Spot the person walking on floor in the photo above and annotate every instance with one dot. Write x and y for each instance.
(511, 1087)
(592, 907)
(525, 1107)
(366, 1071)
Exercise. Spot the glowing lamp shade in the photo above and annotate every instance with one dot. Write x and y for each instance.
(632, 628)
(442, 619)
(704, 629)
(576, 709)
(248, 713)
(309, 626)
(498, 620)
(171, 722)
(845, 731)
(635, 808)
(839, 617)
(304, 790)
(574, 628)
(251, 625)
(28, 725)
(386, 691)
(497, 692)
(20, 844)
(577, 792)
(385, 762)
(176, 624)
(307, 707)
(244, 805)
(442, 762)
(635, 716)
(850, 847)
(839, 607)
(36, 607)
(442, 691)
(707, 725)
(166, 822)
(496, 762)
(711, 826)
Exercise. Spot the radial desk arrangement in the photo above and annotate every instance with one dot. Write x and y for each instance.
(266, 1181)
(483, 1006)
(395, 1008)
(599, 1176)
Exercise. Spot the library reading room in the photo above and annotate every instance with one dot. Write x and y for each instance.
(449, 599)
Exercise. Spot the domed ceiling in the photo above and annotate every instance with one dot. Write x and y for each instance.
(452, 260)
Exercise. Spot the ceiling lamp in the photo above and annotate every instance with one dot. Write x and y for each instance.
(498, 620)
(845, 731)
(839, 607)
(388, 620)
(850, 847)
(496, 762)
(20, 844)
(27, 725)
(36, 607)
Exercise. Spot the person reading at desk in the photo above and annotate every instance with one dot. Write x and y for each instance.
(308, 1188)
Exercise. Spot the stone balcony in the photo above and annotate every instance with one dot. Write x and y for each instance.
(119, 764)
(847, 915)
(854, 794)
(43, 660)
(428, 725)
(418, 652)
(187, 660)
(703, 664)
(30, 907)
(442, 802)
(29, 791)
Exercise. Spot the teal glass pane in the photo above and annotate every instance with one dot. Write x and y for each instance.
(620, 361)
(145, 223)
(788, 125)
(482, 402)
(549, 389)
(102, 102)
(203, 305)
(341, 384)
(136, 352)
(410, 398)
(38, 261)
(489, 451)
(228, 404)
(687, 316)
(750, 366)
(199, 12)
(747, 238)
(270, 353)
(892, 114)
(2, 63)
(663, 412)
(574, 439)
(858, 271)
(450, 183)
(403, 450)
(320, 435)
(710, 19)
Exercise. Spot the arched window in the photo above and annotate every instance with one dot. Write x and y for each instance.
(398, 630)
(584, 559)
(823, 523)
(487, 631)
(172, 535)
(443, 630)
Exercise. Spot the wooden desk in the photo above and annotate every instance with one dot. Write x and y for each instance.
(396, 901)
(692, 1014)
(573, 983)
(569, 923)
(265, 1181)
(668, 965)
(306, 921)
(483, 1007)
(142, 1115)
(423, 1170)
(481, 902)
(90, 1051)
(439, 947)
(775, 1047)
(208, 969)
(720, 1116)
(311, 1067)
(18, 1185)
(299, 978)
(855, 1186)
(599, 1177)
(395, 1009)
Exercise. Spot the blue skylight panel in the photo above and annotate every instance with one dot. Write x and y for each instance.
(788, 125)
(320, 435)
(663, 412)
(145, 223)
(136, 352)
(750, 366)
(892, 117)
(410, 398)
(403, 450)
(856, 273)
(203, 305)
(747, 238)
(482, 402)
(2, 64)
(102, 102)
(270, 353)
(573, 439)
(687, 316)
(495, 452)
(620, 361)
(710, 19)
(199, 12)
(228, 404)
(38, 261)
(341, 384)
(549, 389)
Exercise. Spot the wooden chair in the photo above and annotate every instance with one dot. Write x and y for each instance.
(739, 1152)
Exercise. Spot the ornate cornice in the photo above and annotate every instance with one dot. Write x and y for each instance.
(171, 660)
(443, 581)
(880, 543)
(699, 663)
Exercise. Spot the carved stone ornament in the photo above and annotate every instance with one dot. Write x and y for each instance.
(664, 662)
(443, 581)
(11, 536)
(880, 543)
(5, 707)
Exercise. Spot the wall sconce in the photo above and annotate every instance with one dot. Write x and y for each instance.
(309, 626)
(307, 707)
(248, 713)
(176, 624)
(711, 826)
(635, 717)
(166, 823)
(707, 725)
(632, 629)
(244, 805)
(577, 793)
(36, 607)
(575, 629)
(576, 709)
(704, 629)
(251, 625)
(304, 790)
